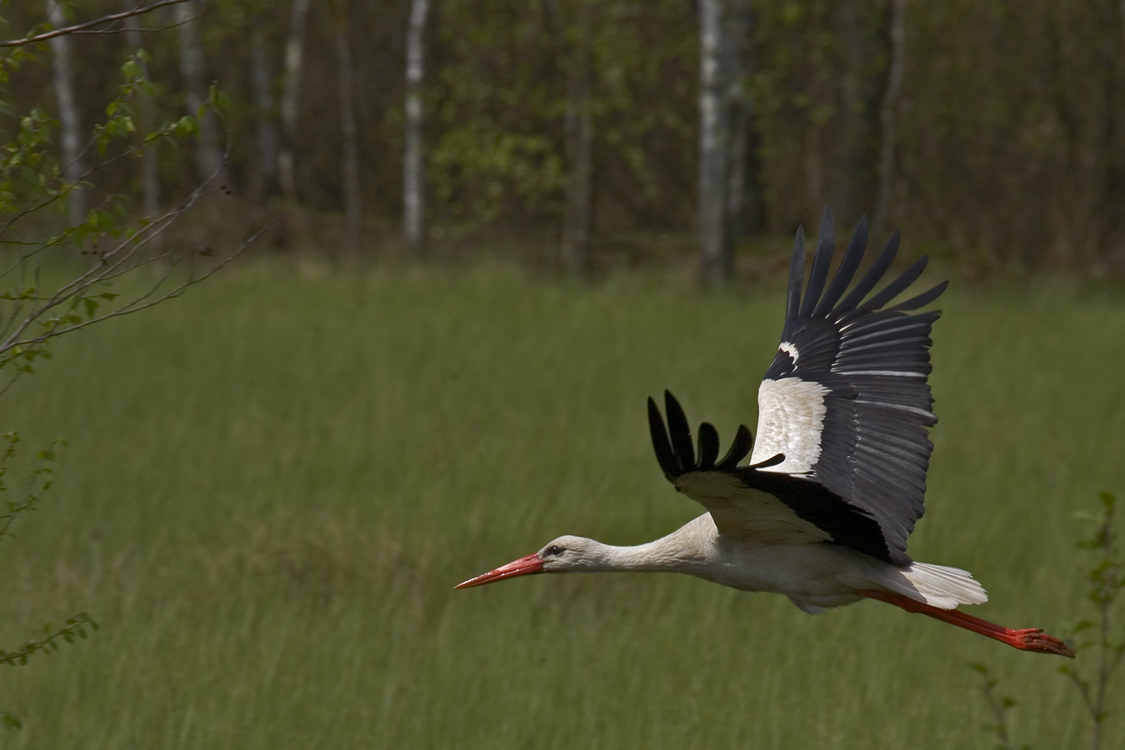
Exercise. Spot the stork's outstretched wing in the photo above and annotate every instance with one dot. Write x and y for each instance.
(842, 448)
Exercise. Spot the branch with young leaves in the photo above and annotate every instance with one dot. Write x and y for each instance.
(1101, 636)
(999, 706)
(30, 314)
(75, 627)
(106, 243)
(37, 480)
(1107, 586)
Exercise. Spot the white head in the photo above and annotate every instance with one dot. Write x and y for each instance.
(573, 553)
(567, 553)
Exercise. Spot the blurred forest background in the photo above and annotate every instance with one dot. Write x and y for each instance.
(592, 134)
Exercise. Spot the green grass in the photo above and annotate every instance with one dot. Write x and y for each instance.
(273, 484)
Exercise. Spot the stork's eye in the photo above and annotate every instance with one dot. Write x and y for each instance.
(554, 550)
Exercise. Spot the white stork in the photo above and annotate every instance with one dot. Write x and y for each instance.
(837, 476)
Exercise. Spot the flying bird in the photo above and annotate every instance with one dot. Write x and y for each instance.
(836, 479)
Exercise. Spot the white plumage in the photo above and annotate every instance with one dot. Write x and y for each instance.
(837, 476)
(791, 417)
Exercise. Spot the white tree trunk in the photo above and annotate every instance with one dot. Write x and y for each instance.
(413, 198)
(715, 256)
(890, 109)
(73, 167)
(150, 175)
(350, 171)
(294, 64)
(208, 157)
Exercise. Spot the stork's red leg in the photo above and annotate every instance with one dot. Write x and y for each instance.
(1027, 639)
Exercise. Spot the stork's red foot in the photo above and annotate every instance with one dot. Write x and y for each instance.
(1034, 639)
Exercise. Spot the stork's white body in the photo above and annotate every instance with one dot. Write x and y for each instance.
(813, 576)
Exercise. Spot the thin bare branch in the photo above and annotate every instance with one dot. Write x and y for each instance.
(112, 264)
(111, 18)
(139, 303)
(146, 30)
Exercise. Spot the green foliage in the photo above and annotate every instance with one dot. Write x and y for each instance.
(111, 242)
(75, 627)
(36, 481)
(1101, 635)
(501, 102)
(999, 706)
(499, 166)
(44, 293)
(1104, 633)
(1010, 148)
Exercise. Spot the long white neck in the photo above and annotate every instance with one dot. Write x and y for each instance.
(685, 550)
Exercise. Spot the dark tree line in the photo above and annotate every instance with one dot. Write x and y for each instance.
(993, 131)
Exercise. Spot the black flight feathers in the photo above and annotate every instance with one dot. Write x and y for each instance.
(816, 306)
(677, 456)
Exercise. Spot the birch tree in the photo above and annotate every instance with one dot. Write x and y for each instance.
(715, 252)
(73, 167)
(291, 86)
(146, 120)
(413, 184)
(209, 158)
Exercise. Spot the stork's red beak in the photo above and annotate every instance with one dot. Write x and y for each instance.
(521, 567)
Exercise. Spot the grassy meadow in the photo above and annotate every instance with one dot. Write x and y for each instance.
(273, 483)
